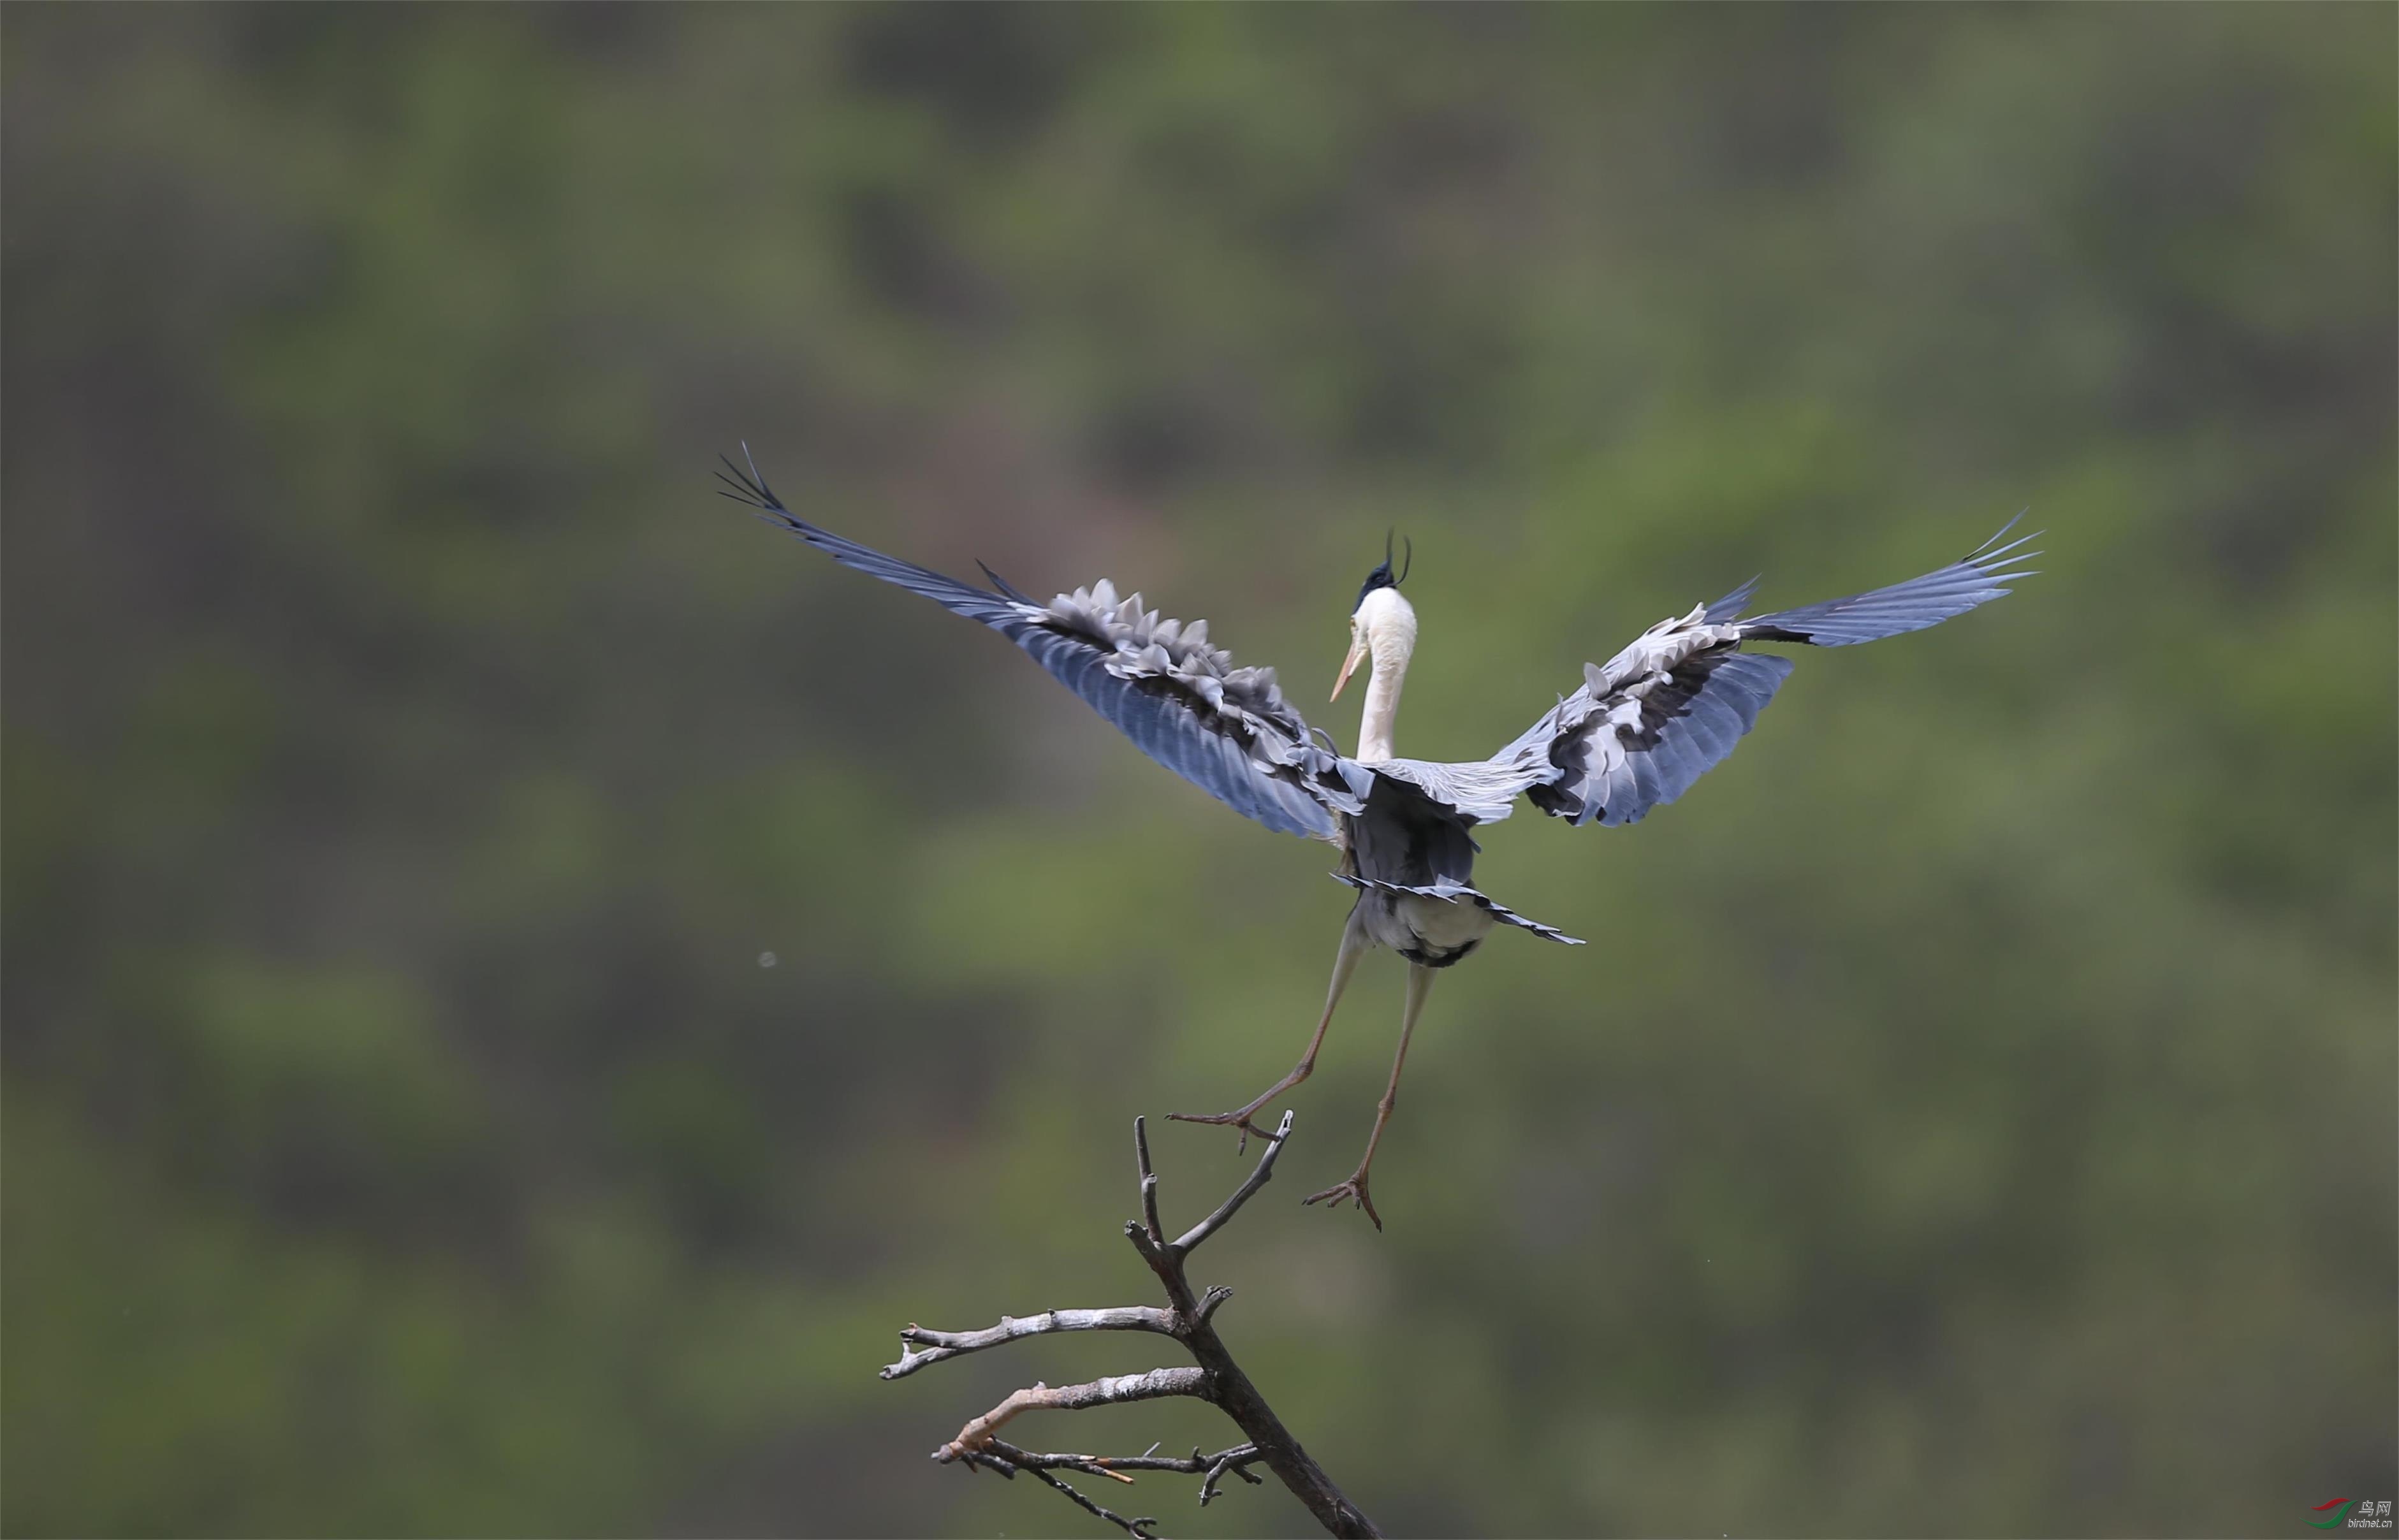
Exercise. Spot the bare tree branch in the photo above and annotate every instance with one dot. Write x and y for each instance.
(1149, 1181)
(1236, 1460)
(950, 1344)
(1215, 1378)
(1139, 1528)
(1231, 1205)
(1077, 1398)
(1006, 1458)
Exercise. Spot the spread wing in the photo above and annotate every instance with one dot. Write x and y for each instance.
(1672, 706)
(1227, 730)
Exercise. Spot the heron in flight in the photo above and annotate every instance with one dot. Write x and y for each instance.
(1641, 728)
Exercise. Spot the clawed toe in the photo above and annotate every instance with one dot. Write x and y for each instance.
(1236, 1120)
(1354, 1189)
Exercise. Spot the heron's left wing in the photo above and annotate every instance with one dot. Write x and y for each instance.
(1644, 728)
(1661, 713)
(1227, 730)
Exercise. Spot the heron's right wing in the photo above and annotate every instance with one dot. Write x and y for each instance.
(1661, 713)
(1227, 730)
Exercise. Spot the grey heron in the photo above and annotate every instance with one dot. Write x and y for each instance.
(1636, 735)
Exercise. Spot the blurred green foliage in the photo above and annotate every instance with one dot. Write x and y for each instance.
(1973, 1114)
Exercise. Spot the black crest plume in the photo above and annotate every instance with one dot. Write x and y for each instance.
(1381, 576)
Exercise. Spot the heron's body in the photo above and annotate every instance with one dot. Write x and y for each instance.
(1641, 729)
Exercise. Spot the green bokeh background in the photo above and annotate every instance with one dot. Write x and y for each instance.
(1973, 1114)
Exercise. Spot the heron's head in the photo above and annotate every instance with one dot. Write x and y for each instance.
(1383, 624)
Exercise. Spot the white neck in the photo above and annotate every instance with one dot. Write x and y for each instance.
(1391, 634)
(1382, 708)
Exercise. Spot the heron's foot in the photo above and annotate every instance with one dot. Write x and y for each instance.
(1238, 1119)
(1355, 1191)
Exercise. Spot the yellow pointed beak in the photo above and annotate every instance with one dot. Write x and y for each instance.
(1349, 665)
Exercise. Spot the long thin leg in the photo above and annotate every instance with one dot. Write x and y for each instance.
(1419, 985)
(1355, 944)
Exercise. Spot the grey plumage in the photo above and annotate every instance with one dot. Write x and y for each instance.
(1450, 891)
(1673, 705)
(1639, 733)
(1911, 606)
(1227, 730)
